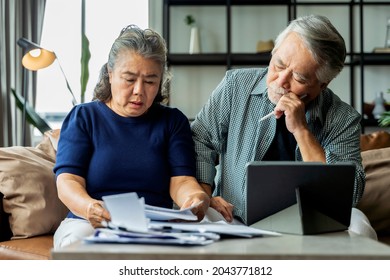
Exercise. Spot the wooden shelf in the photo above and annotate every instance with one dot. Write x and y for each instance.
(197, 59)
(225, 2)
(372, 59)
(219, 59)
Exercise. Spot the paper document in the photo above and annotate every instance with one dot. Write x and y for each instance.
(214, 223)
(165, 214)
(130, 212)
(167, 238)
(132, 221)
(127, 211)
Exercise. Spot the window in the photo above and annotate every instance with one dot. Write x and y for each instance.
(62, 34)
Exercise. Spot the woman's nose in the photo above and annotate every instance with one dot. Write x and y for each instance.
(138, 88)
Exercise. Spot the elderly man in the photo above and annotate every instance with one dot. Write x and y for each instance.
(309, 122)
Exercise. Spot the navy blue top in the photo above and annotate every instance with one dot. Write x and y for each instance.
(116, 154)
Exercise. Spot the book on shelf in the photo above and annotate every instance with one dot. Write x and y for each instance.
(381, 50)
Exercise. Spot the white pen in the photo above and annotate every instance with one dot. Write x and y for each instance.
(272, 113)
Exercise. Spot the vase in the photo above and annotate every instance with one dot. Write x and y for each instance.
(194, 40)
(387, 43)
(379, 107)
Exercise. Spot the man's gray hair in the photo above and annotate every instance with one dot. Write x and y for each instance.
(323, 41)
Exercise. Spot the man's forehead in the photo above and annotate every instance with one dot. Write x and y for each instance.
(294, 53)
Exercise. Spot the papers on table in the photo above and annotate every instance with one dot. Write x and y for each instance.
(129, 212)
(133, 221)
(165, 214)
(211, 224)
(151, 237)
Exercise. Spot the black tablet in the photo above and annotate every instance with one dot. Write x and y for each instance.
(299, 197)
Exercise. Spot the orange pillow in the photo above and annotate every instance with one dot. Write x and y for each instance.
(375, 140)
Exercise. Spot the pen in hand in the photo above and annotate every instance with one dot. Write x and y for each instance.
(272, 113)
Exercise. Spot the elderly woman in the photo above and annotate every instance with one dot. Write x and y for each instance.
(125, 140)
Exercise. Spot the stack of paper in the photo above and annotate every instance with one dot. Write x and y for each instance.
(165, 214)
(133, 221)
(106, 235)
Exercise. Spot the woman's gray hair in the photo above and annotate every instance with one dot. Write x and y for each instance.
(323, 41)
(146, 43)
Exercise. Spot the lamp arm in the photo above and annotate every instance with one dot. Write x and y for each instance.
(74, 102)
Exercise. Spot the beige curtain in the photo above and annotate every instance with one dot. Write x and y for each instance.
(18, 18)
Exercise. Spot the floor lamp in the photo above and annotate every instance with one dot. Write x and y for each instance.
(35, 58)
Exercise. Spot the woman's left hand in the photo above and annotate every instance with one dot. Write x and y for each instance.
(202, 202)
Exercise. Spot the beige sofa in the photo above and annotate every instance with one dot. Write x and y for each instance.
(30, 210)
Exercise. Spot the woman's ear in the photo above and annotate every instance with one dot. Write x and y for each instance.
(109, 74)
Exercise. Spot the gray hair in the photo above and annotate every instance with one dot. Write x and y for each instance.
(146, 43)
(323, 41)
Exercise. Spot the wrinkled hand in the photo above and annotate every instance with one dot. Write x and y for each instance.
(294, 109)
(202, 201)
(96, 214)
(223, 207)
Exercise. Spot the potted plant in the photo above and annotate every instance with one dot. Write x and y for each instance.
(194, 39)
(384, 120)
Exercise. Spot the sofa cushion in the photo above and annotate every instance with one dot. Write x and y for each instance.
(28, 184)
(375, 202)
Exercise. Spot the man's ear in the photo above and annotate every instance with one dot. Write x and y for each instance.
(324, 85)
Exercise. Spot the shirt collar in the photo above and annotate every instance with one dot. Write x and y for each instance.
(313, 110)
(261, 87)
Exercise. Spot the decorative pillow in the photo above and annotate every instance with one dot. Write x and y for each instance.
(375, 140)
(375, 202)
(28, 184)
(54, 136)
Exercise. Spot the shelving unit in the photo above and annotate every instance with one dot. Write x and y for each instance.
(229, 58)
(269, 18)
(366, 58)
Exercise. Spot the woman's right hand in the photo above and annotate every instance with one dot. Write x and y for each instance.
(97, 215)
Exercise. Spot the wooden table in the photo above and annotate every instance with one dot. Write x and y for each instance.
(338, 245)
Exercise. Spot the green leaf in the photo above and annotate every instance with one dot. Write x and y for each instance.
(31, 115)
(85, 56)
(384, 120)
(189, 20)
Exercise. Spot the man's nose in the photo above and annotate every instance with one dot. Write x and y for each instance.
(284, 79)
